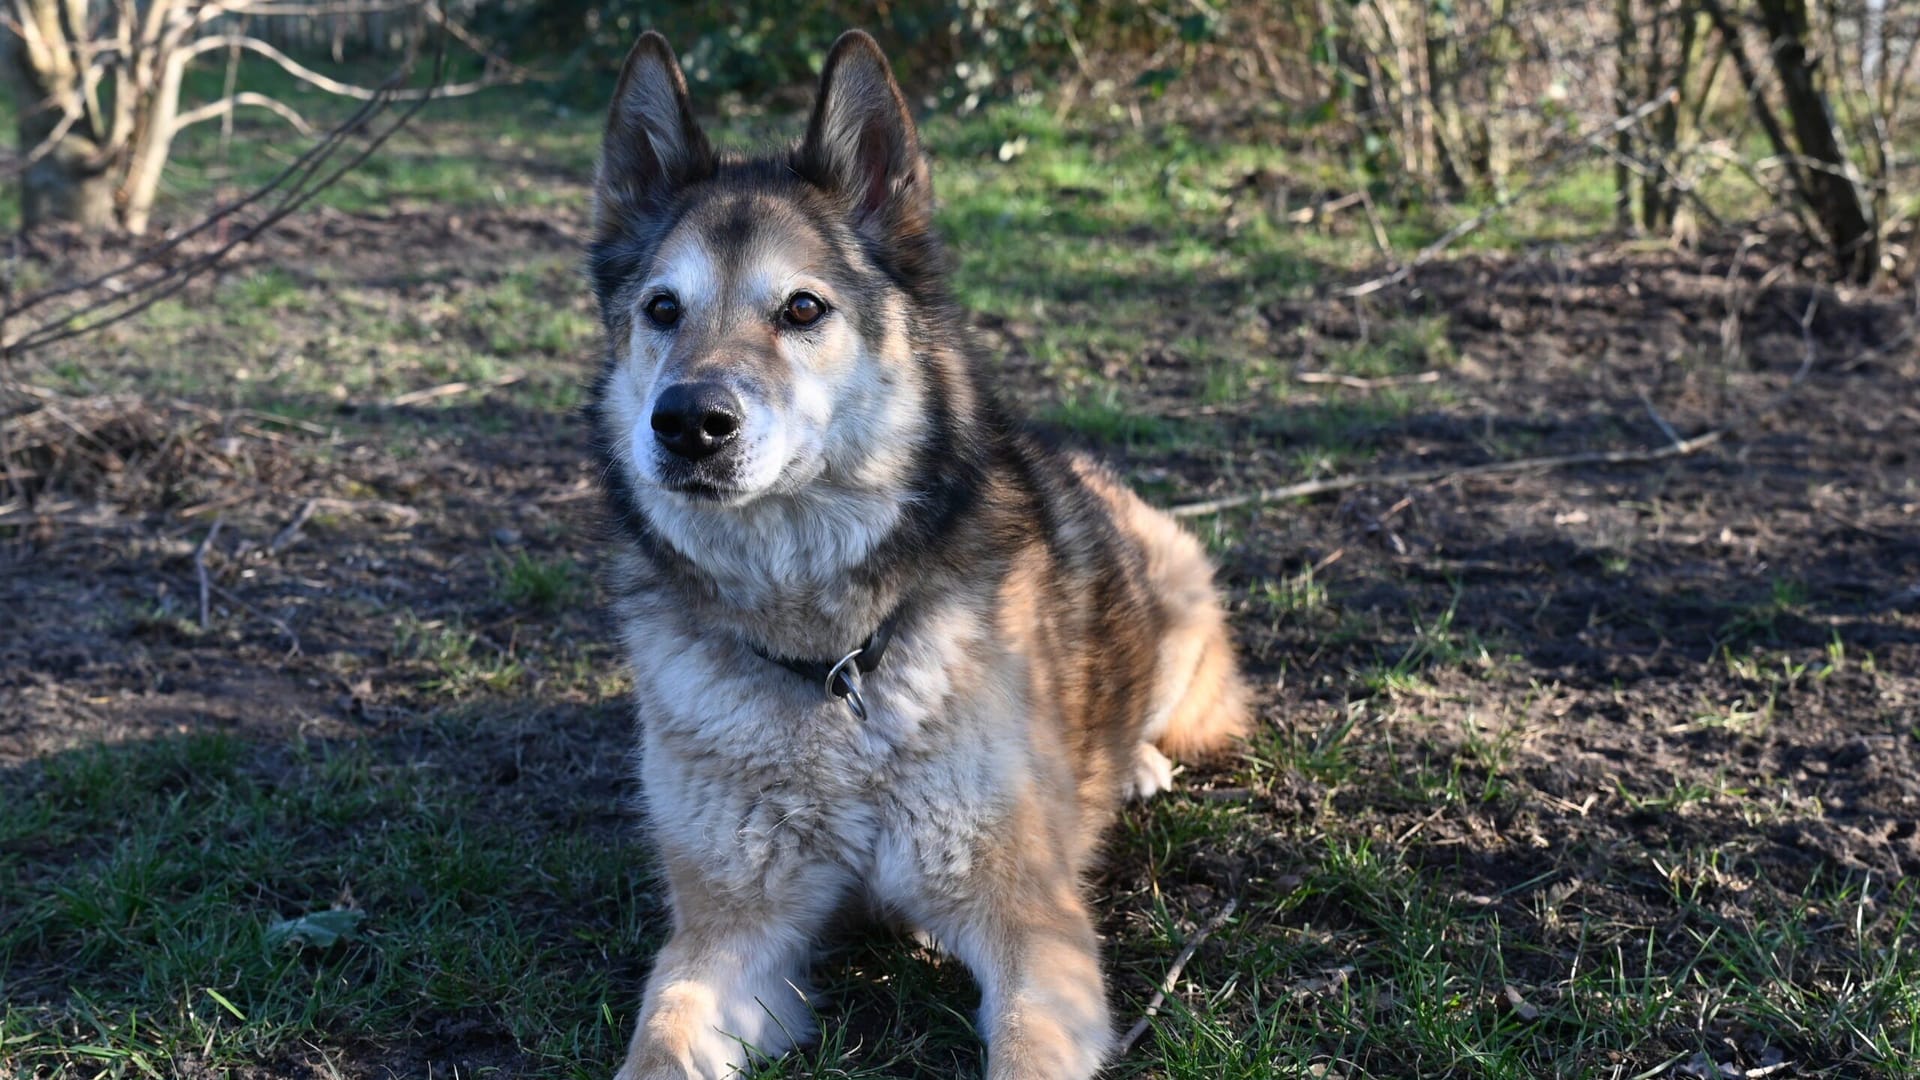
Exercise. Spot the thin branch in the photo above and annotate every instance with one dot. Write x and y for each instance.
(1355, 382)
(332, 86)
(1423, 476)
(47, 144)
(294, 172)
(200, 570)
(1551, 170)
(1167, 984)
(297, 184)
(327, 7)
(214, 110)
(1659, 421)
(416, 397)
(1808, 350)
(516, 73)
(292, 530)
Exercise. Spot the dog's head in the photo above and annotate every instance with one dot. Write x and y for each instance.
(758, 311)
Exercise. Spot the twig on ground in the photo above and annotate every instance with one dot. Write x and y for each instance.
(1306, 215)
(1380, 239)
(287, 535)
(293, 639)
(1665, 428)
(1357, 383)
(287, 421)
(1857, 526)
(416, 397)
(401, 513)
(200, 571)
(1809, 351)
(1139, 1027)
(1422, 476)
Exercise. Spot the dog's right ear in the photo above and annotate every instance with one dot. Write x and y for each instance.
(653, 144)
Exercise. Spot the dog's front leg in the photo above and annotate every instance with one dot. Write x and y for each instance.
(728, 985)
(1043, 1008)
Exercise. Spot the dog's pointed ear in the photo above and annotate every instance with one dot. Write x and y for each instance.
(653, 144)
(861, 144)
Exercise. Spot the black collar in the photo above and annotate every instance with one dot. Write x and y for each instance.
(836, 675)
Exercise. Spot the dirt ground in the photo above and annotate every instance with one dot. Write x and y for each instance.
(1715, 651)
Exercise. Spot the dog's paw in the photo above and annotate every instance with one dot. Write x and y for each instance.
(630, 1071)
(1152, 773)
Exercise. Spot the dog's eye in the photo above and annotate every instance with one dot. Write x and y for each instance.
(804, 309)
(664, 310)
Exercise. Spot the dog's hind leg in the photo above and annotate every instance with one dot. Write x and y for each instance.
(727, 988)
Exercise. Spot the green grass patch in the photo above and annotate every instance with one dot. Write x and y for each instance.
(162, 904)
(542, 585)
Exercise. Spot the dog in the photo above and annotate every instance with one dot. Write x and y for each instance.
(889, 649)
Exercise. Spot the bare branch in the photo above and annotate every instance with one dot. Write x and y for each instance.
(325, 7)
(1539, 179)
(214, 110)
(1172, 979)
(291, 189)
(1426, 476)
(47, 144)
(332, 86)
(200, 570)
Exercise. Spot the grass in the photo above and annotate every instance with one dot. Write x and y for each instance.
(502, 899)
(535, 584)
(123, 954)
(1402, 347)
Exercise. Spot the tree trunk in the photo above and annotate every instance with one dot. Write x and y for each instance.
(1624, 66)
(1836, 201)
(152, 143)
(70, 184)
(72, 180)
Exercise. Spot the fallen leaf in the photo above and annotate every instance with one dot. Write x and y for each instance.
(1521, 1008)
(318, 929)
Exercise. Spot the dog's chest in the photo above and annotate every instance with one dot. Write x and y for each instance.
(757, 775)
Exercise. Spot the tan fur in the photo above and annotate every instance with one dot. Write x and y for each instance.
(1201, 696)
(1053, 637)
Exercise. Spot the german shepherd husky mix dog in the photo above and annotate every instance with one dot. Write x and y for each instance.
(889, 650)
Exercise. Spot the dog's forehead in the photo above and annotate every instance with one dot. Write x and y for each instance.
(749, 243)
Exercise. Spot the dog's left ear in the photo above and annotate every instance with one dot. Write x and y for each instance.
(861, 144)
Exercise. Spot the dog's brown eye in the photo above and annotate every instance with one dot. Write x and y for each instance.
(804, 309)
(664, 310)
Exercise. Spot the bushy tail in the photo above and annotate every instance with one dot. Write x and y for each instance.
(1208, 710)
(1200, 704)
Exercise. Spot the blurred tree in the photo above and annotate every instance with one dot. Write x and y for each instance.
(1821, 175)
(97, 91)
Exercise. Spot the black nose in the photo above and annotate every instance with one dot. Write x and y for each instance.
(695, 420)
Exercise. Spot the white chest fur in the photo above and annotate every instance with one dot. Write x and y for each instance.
(756, 776)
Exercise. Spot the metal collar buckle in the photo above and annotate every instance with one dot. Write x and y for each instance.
(840, 678)
(842, 682)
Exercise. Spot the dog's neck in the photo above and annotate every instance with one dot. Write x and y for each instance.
(790, 574)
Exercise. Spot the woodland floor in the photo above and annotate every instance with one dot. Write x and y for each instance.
(1605, 771)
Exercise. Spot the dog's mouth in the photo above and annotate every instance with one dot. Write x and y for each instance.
(702, 491)
(701, 483)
